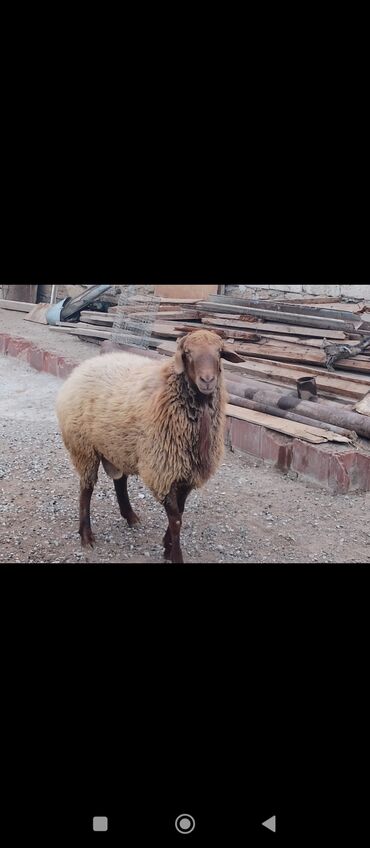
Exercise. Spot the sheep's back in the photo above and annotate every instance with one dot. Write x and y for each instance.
(103, 403)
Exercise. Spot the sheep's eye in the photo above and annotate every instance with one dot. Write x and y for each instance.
(188, 354)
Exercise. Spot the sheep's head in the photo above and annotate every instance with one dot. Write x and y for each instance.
(199, 355)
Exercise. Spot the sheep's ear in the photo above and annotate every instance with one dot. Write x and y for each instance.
(229, 354)
(179, 362)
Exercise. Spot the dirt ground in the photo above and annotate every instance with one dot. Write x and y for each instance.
(248, 513)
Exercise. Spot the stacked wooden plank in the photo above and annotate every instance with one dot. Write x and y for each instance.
(280, 342)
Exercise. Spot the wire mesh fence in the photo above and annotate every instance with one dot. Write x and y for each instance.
(135, 318)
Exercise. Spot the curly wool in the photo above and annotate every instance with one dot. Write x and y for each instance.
(138, 416)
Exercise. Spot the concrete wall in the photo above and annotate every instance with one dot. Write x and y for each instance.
(45, 291)
(353, 289)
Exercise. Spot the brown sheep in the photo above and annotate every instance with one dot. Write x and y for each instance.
(162, 421)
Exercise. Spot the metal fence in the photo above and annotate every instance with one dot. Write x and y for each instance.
(135, 317)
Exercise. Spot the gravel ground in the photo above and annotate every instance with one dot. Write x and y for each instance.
(69, 346)
(247, 513)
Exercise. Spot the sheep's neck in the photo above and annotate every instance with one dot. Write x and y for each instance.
(198, 406)
(205, 439)
(202, 411)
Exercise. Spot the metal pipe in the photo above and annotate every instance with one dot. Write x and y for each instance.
(82, 301)
(69, 307)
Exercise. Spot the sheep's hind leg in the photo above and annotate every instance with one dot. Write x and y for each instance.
(124, 502)
(87, 537)
(175, 505)
(167, 542)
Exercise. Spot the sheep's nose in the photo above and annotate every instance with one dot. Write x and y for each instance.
(207, 380)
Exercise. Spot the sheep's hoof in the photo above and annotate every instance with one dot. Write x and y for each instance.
(87, 538)
(177, 559)
(133, 519)
(167, 544)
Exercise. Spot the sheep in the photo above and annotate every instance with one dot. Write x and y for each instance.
(163, 422)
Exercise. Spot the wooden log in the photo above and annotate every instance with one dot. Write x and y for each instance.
(274, 394)
(269, 409)
(316, 435)
(340, 418)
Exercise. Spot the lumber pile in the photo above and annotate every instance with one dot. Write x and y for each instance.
(280, 343)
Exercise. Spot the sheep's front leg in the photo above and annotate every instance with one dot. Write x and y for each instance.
(124, 502)
(85, 532)
(175, 505)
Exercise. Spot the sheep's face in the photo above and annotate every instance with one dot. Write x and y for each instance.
(199, 354)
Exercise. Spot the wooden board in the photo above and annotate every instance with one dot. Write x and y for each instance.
(269, 371)
(364, 406)
(355, 308)
(271, 327)
(224, 331)
(301, 354)
(77, 330)
(103, 319)
(283, 317)
(357, 383)
(88, 332)
(186, 291)
(363, 379)
(308, 433)
(159, 330)
(17, 291)
(275, 338)
(300, 309)
(16, 305)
